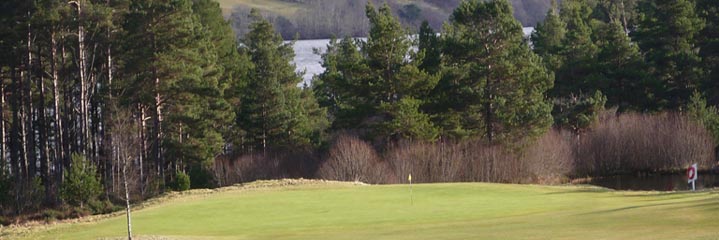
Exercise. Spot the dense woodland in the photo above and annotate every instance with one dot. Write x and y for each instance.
(158, 95)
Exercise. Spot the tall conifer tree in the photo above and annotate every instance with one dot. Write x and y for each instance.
(272, 111)
(500, 81)
(667, 35)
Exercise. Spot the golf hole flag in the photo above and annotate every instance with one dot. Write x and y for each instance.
(692, 175)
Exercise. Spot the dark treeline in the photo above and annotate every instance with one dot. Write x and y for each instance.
(159, 95)
(139, 91)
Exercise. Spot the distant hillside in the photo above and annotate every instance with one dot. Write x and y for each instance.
(314, 19)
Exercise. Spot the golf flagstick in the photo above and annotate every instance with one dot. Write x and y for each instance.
(411, 198)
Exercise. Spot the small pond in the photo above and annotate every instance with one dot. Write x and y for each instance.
(656, 182)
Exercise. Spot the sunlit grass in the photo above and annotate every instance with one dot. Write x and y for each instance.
(439, 211)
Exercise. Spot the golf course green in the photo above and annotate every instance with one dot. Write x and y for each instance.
(327, 210)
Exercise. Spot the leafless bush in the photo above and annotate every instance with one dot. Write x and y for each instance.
(427, 162)
(470, 161)
(127, 155)
(639, 142)
(275, 164)
(351, 159)
(551, 158)
(493, 163)
(627, 143)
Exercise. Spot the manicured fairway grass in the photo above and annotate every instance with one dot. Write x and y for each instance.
(440, 211)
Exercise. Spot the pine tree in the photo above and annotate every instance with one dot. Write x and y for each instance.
(500, 83)
(309, 120)
(578, 50)
(622, 12)
(82, 184)
(340, 88)
(271, 112)
(667, 34)
(429, 46)
(407, 121)
(548, 37)
(707, 115)
(165, 68)
(709, 47)
(620, 70)
(365, 89)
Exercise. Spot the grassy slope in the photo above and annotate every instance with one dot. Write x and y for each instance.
(440, 211)
(275, 6)
(284, 8)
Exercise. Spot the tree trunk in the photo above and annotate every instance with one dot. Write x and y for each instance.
(59, 151)
(42, 132)
(28, 130)
(158, 132)
(20, 91)
(489, 108)
(109, 178)
(69, 123)
(82, 70)
(625, 24)
(127, 200)
(143, 148)
(3, 150)
(15, 156)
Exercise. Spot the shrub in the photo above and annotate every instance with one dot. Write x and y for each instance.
(351, 159)
(103, 207)
(51, 215)
(181, 183)
(5, 221)
(708, 116)
(551, 158)
(642, 143)
(578, 112)
(492, 163)
(276, 164)
(6, 199)
(427, 162)
(33, 195)
(81, 182)
(201, 178)
(78, 212)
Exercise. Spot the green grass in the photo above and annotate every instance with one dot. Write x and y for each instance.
(440, 211)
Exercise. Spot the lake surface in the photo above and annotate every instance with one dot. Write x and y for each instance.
(311, 63)
(657, 182)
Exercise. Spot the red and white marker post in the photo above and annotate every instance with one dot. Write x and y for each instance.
(692, 176)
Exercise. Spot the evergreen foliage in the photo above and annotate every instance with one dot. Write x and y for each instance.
(667, 33)
(182, 182)
(169, 77)
(548, 38)
(363, 89)
(499, 84)
(578, 112)
(708, 42)
(707, 115)
(578, 50)
(619, 71)
(429, 45)
(274, 111)
(81, 182)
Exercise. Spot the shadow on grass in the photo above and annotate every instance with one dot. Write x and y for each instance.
(583, 189)
(615, 210)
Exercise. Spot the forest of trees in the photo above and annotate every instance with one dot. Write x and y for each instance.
(96, 93)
